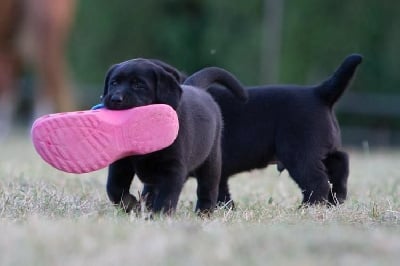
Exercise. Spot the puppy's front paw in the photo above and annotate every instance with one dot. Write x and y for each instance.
(205, 214)
(129, 203)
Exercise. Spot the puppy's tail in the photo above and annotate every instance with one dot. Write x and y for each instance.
(331, 89)
(205, 77)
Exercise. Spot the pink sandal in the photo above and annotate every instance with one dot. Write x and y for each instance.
(85, 141)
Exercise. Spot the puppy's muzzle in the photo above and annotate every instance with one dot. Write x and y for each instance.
(115, 102)
(117, 99)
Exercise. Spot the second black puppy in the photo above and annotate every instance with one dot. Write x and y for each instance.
(197, 148)
(293, 125)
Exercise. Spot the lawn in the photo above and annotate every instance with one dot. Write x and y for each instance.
(52, 218)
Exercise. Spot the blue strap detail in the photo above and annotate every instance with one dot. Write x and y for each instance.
(97, 106)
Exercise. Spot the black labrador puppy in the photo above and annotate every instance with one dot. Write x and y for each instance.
(197, 148)
(294, 126)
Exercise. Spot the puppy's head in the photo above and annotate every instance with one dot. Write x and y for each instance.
(139, 82)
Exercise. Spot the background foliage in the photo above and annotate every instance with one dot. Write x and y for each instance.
(316, 36)
(312, 40)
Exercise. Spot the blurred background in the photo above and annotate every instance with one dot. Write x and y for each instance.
(260, 41)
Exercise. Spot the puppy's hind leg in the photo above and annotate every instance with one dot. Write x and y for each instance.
(312, 179)
(337, 165)
(208, 177)
(120, 176)
(224, 196)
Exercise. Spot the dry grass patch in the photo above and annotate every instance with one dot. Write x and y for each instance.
(51, 218)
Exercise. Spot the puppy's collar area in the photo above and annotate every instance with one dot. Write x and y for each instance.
(98, 106)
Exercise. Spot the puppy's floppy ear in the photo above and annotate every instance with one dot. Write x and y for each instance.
(168, 90)
(107, 79)
(178, 75)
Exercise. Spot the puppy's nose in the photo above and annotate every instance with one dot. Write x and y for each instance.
(117, 98)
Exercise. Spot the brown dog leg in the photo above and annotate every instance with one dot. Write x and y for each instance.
(49, 23)
(9, 63)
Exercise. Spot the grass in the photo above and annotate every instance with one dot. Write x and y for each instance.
(52, 218)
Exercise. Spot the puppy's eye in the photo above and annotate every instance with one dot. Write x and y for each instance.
(114, 83)
(135, 84)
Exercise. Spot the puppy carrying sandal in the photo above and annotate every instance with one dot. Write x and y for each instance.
(85, 141)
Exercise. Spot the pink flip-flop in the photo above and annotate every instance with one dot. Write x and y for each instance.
(85, 141)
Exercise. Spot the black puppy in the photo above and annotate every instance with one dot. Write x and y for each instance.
(197, 148)
(294, 126)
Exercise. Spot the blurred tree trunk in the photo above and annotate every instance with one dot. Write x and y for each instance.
(271, 46)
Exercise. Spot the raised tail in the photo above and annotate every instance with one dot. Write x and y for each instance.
(331, 89)
(205, 77)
